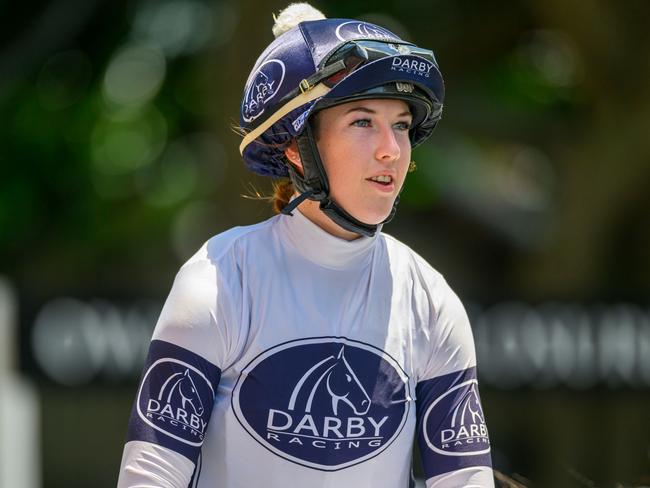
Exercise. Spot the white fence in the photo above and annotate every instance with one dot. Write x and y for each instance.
(20, 464)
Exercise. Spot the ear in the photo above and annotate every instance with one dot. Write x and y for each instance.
(293, 155)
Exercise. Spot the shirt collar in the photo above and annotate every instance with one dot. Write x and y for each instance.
(321, 247)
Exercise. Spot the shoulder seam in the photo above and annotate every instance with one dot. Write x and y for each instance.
(241, 232)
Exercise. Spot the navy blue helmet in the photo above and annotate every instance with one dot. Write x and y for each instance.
(322, 63)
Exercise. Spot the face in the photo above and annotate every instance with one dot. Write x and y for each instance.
(366, 151)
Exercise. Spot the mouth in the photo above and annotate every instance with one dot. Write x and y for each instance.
(384, 183)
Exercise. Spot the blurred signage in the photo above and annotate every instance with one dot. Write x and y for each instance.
(518, 345)
(75, 342)
(563, 344)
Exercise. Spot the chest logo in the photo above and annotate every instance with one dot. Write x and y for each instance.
(326, 403)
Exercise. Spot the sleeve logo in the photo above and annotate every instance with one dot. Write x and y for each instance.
(454, 424)
(172, 399)
(324, 403)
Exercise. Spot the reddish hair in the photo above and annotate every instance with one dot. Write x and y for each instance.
(282, 193)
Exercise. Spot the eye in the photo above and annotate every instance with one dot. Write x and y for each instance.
(361, 123)
(348, 377)
(404, 125)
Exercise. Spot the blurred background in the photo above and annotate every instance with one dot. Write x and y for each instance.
(532, 198)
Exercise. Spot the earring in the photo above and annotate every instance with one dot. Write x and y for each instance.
(412, 167)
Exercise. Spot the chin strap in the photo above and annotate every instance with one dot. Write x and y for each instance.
(314, 185)
(291, 206)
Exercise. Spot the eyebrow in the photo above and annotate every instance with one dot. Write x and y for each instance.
(370, 111)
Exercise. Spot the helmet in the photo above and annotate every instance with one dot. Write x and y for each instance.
(319, 64)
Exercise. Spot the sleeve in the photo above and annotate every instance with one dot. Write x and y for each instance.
(174, 401)
(451, 430)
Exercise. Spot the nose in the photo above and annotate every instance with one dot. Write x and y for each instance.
(388, 148)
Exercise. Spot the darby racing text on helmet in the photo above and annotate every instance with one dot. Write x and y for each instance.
(319, 64)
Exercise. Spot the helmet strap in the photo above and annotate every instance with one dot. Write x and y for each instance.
(313, 184)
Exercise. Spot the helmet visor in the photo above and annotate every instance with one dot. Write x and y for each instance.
(354, 54)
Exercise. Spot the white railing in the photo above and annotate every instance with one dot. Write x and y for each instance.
(20, 464)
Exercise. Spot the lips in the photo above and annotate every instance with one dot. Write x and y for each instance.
(384, 183)
(384, 179)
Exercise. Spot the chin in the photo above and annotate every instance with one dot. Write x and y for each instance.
(374, 218)
(368, 210)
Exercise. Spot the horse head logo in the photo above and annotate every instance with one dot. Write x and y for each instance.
(262, 87)
(335, 374)
(181, 385)
(469, 409)
(354, 29)
(474, 407)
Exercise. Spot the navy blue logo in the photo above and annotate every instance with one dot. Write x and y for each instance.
(176, 398)
(326, 403)
(262, 86)
(355, 29)
(454, 424)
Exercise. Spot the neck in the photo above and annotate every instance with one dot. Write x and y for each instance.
(312, 211)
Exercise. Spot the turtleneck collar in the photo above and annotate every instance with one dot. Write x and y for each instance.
(321, 247)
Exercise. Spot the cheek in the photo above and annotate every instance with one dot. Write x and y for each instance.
(338, 156)
(405, 158)
(342, 177)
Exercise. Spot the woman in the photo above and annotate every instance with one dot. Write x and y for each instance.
(310, 349)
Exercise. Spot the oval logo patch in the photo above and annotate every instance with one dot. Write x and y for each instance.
(463, 432)
(326, 403)
(262, 87)
(176, 398)
(355, 29)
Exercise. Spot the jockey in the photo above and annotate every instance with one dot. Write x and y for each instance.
(312, 349)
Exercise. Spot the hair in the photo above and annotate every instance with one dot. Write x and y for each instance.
(282, 192)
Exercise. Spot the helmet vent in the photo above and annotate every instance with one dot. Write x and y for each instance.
(404, 87)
